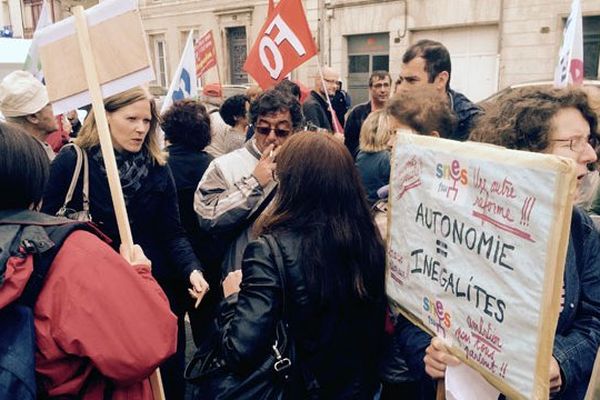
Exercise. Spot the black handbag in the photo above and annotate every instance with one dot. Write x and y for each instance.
(212, 379)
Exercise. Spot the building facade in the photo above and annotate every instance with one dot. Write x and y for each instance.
(493, 43)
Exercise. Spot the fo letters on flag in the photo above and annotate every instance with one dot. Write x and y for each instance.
(284, 43)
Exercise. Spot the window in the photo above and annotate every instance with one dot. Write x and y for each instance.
(591, 47)
(159, 56)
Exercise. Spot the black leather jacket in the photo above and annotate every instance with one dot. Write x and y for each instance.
(339, 345)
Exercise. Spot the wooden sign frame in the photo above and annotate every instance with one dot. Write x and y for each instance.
(415, 169)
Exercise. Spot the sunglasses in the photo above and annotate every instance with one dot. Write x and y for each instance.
(265, 130)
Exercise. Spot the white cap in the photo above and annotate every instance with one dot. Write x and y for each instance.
(21, 94)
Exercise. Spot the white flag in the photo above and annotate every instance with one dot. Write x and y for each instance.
(184, 84)
(570, 64)
(32, 62)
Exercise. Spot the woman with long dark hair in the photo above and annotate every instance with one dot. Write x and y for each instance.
(333, 259)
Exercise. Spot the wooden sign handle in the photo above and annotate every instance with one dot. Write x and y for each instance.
(440, 392)
(108, 155)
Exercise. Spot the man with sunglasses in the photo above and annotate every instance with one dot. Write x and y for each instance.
(239, 185)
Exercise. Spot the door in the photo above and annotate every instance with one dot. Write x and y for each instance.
(366, 53)
(236, 43)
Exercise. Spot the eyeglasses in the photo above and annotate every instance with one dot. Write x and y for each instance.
(578, 144)
(265, 130)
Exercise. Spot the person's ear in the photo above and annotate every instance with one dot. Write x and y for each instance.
(441, 80)
(435, 134)
(32, 119)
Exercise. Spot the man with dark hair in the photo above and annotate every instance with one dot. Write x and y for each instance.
(427, 63)
(316, 109)
(380, 83)
(238, 186)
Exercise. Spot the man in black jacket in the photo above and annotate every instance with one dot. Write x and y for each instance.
(315, 108)
(427, 62)
(379, 92)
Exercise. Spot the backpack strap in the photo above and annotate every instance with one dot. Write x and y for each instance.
(39, 235)
(81, 160)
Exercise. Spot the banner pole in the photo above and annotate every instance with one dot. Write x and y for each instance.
(335, 122)
(218, 68)
(108, 154)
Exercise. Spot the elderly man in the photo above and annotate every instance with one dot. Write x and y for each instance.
(315, 108)
(238, 186)
(427, 63)
(24, 101)
(380, 83)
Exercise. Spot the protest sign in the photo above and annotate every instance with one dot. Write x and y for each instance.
(477, 242)
(283, 43)
(206, 55)
(117, 38)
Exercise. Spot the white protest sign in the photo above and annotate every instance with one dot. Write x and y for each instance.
(118, 45)
(477, 243)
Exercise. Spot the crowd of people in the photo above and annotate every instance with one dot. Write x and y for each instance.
(244, 189)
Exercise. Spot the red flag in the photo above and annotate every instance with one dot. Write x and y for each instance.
(206, 56)
(284, 43)
(271, 8)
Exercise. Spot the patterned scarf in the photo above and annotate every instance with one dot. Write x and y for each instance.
(133, 169)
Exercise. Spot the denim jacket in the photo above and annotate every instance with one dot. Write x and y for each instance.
(578, 331)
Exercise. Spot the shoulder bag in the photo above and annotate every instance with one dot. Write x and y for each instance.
(65, 211)
(212, 379)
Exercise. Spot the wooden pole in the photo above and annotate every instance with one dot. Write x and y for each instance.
(440, 393)
(334, 121)
(218, 68)
(106, 145)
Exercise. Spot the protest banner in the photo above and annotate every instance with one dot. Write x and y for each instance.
(116, 34)
(284, 42)
(570, 63)
(206, 55)
(112, 50)
(477, 240)
(184, 84)
(33, 63)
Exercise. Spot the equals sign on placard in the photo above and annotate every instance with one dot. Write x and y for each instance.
(441, 248)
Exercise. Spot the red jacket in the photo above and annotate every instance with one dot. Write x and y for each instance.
(98, 320)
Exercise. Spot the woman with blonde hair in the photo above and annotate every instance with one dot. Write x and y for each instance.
(150, 198)
(373, 159)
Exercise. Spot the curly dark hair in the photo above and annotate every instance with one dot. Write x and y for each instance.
(234, 106)
(187, 122)
(289, 87)
(522, 118)
(273, 101)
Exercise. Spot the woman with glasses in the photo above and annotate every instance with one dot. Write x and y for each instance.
(333, 263)
(559, 122)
